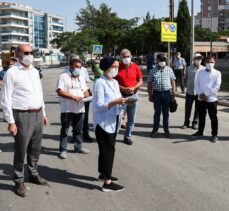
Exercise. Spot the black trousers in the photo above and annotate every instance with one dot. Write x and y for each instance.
(106, 144)
(189, 100)
(180, 78)
(211, 107)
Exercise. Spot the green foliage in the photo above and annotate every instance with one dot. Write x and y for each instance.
(73, 42)
(183, 29)
(104, 24)
(204, 34)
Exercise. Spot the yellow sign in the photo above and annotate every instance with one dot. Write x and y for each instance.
(168, 32)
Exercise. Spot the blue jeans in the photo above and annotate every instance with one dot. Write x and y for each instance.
(76, 120)
(131, 114)
(161, 103)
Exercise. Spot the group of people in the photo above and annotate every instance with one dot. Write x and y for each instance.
(115, 91)
(203, 84)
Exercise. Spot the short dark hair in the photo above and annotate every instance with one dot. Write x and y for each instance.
(74, 61)
(209, 58)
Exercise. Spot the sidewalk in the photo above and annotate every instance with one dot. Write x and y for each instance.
(223, 97)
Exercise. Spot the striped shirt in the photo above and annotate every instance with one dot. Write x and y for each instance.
(161, 78)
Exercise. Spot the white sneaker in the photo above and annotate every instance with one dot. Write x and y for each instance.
(63, 155)
(82, 150)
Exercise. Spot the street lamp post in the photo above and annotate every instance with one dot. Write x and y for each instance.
(192, 32)
(211, 27)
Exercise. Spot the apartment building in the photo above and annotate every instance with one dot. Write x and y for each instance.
(21, 24)
(215, 14)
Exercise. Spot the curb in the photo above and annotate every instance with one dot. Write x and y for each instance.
(221, 103)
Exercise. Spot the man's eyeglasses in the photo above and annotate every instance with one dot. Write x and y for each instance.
(28, 52)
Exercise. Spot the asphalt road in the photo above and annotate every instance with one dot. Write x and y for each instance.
(174, 174)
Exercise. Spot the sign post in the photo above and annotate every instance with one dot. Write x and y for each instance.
(97, 49)
(168, 34)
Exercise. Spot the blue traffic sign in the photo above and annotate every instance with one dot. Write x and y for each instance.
(97, 49)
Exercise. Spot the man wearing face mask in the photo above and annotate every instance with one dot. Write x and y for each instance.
(130, 79)
(161, 88)
(179, 66)
(207, 85)
(24, 110)
(72, 88)
(191, 96)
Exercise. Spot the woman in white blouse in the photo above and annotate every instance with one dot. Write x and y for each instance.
(107, 110)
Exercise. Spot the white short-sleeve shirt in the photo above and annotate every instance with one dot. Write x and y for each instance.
(75, 86)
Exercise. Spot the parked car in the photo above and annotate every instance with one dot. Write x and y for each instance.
(64, 61)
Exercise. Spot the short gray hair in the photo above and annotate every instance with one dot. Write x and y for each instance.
(124, 51)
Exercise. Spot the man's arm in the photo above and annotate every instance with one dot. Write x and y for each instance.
(67, 95)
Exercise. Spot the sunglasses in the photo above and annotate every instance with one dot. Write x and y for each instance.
(28, 52)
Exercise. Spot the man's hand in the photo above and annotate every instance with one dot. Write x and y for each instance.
(151, 98)
(77, 99)
(12, 128)
(45, 120)
(203, 97)
(130, 90)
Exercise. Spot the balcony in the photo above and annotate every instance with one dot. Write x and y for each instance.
(57, 23)
(13, 15)
(14, 32)
(13, 24)
(13, 41)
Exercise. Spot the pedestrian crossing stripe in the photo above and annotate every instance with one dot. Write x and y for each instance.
(97, 49)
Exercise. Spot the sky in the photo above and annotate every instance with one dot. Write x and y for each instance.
(124, 8)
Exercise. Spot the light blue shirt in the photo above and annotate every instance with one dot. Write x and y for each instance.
(105, 91)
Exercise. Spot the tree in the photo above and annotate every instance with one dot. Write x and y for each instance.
(204, 34)
(74, 43)
(104, 24)
(183, 29)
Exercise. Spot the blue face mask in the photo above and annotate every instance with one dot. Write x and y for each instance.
(76, 72)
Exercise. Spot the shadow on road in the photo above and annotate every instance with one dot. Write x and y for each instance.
(52, 175)
(7, 147)
(7, 172)
(64, 177)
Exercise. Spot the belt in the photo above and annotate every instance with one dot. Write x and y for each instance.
(161, 91)
(29, 110)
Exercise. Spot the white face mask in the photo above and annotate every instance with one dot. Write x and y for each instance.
(197, 62)
(126, 61)
(113, 72)
(27, 59)
(162, 64)
(76, 71)
(210, 66)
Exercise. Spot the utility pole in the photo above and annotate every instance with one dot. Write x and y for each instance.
(211, 27)
(171, 16)
(192, 32)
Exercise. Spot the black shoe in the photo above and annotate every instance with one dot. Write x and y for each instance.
(167, 134)
(87, 138)
(154, 133)
(214, 139)
(38, 180)
(112, 187)
(128, 141)
(101, 178)
(197, 134)
(20, 189)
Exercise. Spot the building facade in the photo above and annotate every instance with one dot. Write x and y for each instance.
(20, 24)
(215, 14)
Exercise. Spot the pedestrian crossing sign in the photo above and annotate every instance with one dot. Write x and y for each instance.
(97, 49)
(168, 32)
